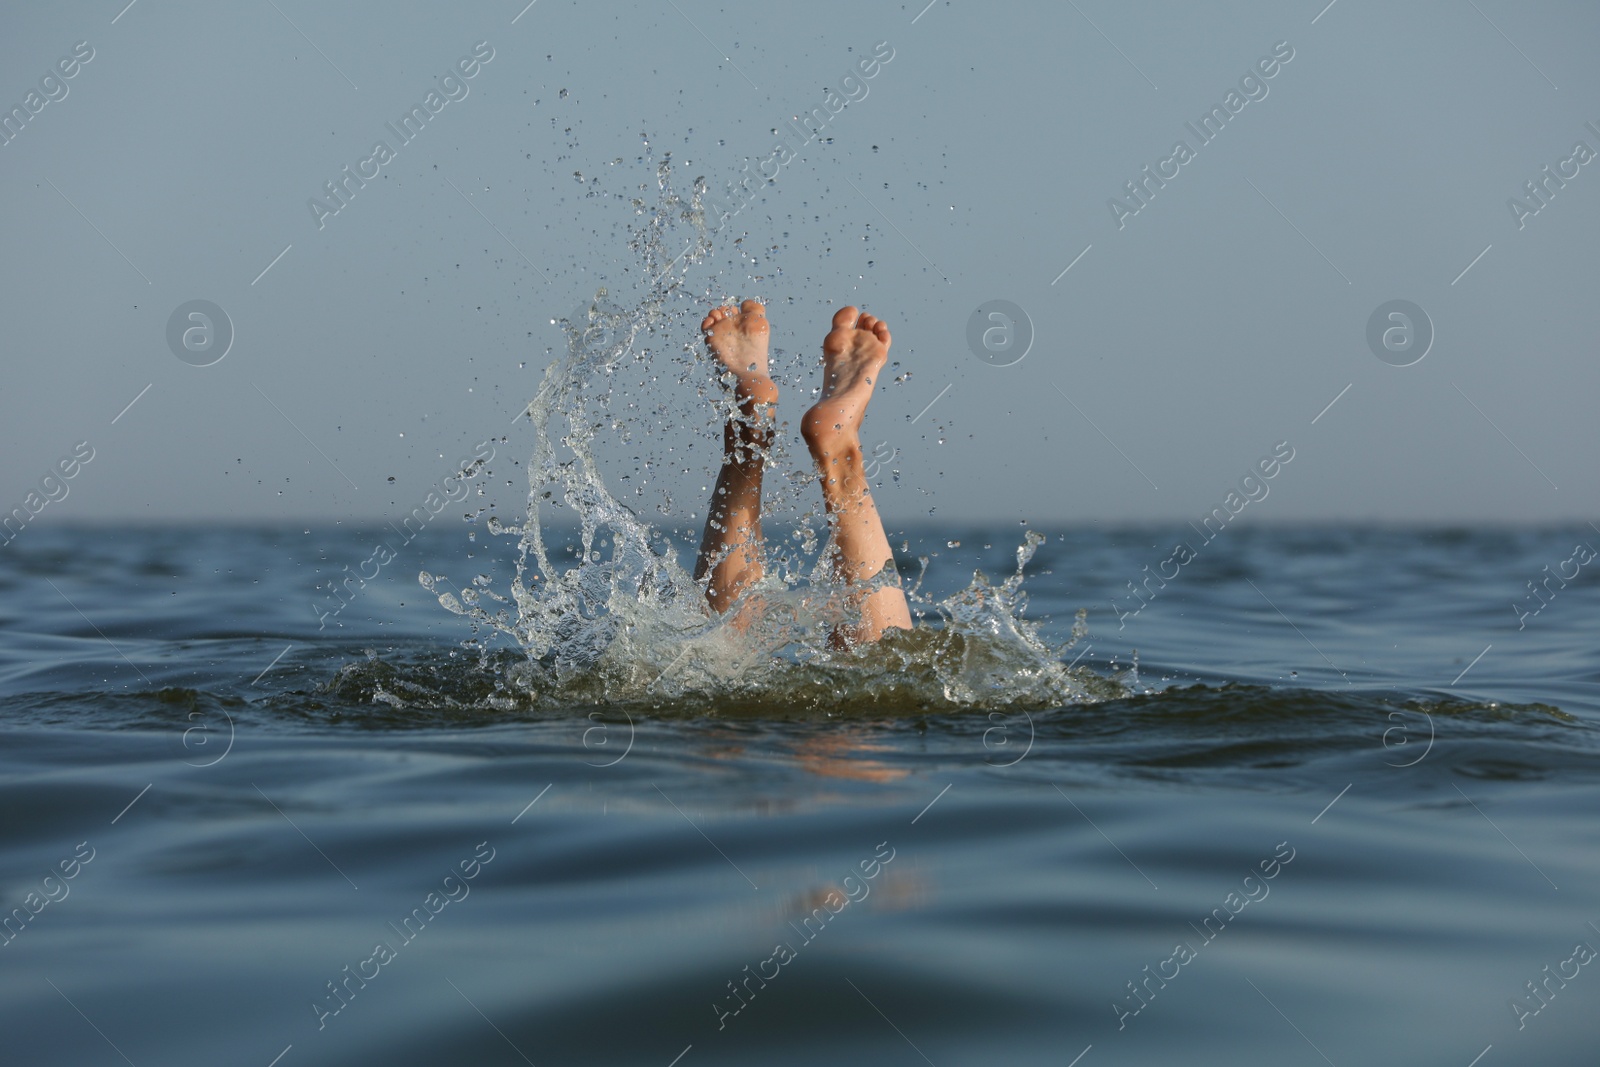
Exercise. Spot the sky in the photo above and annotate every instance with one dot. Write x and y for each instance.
(1233, 311)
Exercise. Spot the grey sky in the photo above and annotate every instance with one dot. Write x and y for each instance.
(1220, 320)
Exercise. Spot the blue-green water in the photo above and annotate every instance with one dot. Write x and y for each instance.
(1354, 712)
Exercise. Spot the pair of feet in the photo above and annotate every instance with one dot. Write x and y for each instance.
(853, 355)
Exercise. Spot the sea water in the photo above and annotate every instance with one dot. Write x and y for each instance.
(1330, 797)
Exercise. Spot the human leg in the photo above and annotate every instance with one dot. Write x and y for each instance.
(730, 550)
(853, 355)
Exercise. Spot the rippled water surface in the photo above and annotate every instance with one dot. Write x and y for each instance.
(1328, 797)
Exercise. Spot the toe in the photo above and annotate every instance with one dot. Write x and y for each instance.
(867, 322)
(880, 330)
(753, 307)
(845, 318)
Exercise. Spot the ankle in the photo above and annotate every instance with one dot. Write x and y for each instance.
(830, 443)
(754, 391)
(745, 444)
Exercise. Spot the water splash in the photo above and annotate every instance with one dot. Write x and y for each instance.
(620, 622)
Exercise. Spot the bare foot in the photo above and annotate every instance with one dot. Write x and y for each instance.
(852, 355)
(738, 338)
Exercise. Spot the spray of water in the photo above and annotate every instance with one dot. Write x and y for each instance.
(620, 622)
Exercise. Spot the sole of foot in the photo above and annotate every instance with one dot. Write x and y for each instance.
(853, 355)
(737, 338)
